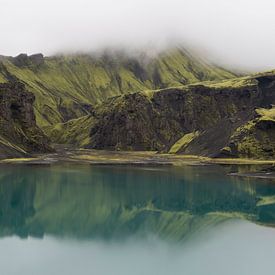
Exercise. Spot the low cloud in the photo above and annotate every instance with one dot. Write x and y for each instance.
(238, 33)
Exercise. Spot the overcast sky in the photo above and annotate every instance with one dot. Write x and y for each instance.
(235, 32)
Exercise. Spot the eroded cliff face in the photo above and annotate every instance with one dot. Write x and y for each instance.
(19, 134)
(205, 119)
(140, 123)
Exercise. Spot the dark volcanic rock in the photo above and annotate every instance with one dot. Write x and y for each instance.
(23, 60)
(37, 59)
(16, 104)
(155, 122)
(19, 133)
(126, 123)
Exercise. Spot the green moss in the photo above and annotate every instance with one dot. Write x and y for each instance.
(2, 79)
(148, 93)
(75, 131)
(253, 141)
(183, 142)
(226, 150)
(250, 147)
(10, 145)
(234, 83)
(266, 114)
(180, 67)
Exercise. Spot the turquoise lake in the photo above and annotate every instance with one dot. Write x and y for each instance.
(118, 220)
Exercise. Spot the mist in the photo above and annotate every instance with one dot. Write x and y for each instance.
(236, 33)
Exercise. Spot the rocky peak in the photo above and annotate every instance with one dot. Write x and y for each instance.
(23, 60)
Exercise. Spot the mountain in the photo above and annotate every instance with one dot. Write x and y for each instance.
(68, 86)
(172, 102)
(232, 118)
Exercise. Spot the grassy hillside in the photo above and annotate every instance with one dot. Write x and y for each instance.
(67, 87)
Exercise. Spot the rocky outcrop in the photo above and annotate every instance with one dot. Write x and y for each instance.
(138, 122)
(23, 60)
(255, 138)
(204, 119)
(19, 134)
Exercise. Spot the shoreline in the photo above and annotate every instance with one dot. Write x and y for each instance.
(129, 157)
(139, 158)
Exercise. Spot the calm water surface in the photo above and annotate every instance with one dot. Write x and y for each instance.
(80, 220)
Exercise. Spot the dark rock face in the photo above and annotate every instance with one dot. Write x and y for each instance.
(16, 104)
(156, 122)
(37, 59)
(23, 60)
(266, 125)
(18, 130)
(126, 124)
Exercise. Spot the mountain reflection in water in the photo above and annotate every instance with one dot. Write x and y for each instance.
(116, 203)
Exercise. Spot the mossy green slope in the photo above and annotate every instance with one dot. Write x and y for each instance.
(257, 137)
(66, 87)
(75, 131)
(182, 142)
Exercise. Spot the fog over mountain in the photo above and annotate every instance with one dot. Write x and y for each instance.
(237, 33)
